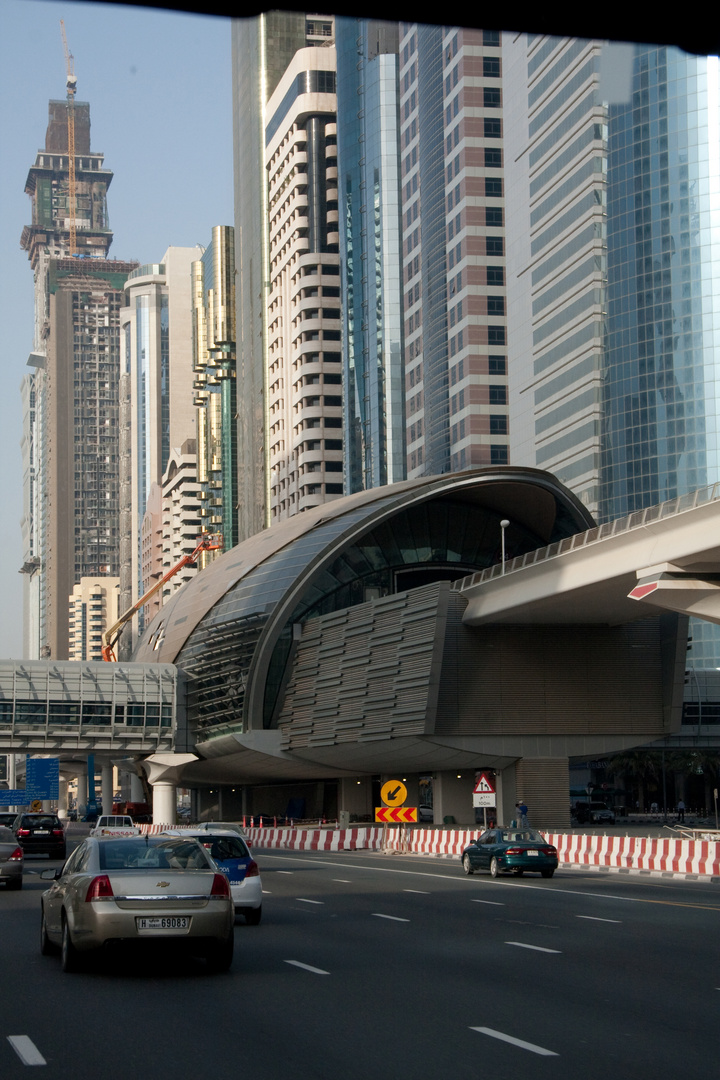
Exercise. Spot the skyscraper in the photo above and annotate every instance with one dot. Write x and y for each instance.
(214, 338)
(70, 526)
(371, 252)
(614, 275)
(451, 141)
(156, 395)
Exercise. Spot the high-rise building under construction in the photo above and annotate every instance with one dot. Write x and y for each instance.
(70, 432)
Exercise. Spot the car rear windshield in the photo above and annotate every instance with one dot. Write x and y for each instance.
(513, 835)
(144, 853)
(225, 847)
(46, 822)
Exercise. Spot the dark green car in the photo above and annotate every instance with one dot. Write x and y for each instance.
(510, 851)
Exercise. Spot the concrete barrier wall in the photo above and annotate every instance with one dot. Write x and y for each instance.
(665, 854)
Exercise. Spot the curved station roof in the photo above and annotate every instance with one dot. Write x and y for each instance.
(240, 629)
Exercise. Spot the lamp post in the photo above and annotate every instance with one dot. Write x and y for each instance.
(503, 526)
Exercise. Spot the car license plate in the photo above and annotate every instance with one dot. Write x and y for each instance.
(533, 853)
(176, 923)
(41, 832)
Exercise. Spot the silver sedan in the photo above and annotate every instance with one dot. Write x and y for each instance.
(138, 889)
(11, 859)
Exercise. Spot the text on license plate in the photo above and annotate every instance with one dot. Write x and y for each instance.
(532, 852)
(163, 922)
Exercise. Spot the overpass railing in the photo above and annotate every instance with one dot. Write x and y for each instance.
(636, 520)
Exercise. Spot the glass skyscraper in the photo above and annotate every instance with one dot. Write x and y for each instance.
(614, 271)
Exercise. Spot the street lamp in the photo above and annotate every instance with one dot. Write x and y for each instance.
(503, 526)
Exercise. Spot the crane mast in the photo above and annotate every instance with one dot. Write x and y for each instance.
(71, 88)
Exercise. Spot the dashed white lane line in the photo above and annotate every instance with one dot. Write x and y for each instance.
(535, 948)
(26, 1050)
(307, 967)
(533, 1047)
(493, 903)
(345, 881)
(302, 900)
(377, 915)
(420, 892)
(284, 871)
(266, 892)
(596, 918)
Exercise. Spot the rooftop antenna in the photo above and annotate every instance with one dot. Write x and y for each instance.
(71, 86)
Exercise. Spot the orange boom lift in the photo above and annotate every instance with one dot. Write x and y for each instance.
(209, 542)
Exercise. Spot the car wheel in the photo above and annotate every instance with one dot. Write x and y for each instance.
(220, 955)
(69, 956)
(494, 868)
(547, 873)
(253, 915)
(467, 867)
(47, 948)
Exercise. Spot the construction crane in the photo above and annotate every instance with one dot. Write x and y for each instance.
(71, 89)
(207, 542)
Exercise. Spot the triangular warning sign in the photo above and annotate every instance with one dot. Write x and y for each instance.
(484, 785)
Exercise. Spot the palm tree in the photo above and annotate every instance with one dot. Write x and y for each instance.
(637, 766)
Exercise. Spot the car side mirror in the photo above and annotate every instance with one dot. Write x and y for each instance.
(50, 875)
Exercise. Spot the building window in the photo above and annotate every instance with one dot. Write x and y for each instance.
(493, 216)
(491, 67)
(497, 395)
(498, 425)
(494, 246)
(491, 97)
(498, 455)
(492, 128)
(497, 365)
(493, 158)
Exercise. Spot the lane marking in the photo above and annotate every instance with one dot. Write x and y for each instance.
(496, 883)
(26, 1050)
(377, 915)
(515, 1042)
(494, 903)
(302, 900)
(307, 967)
(420, 892)
(345, 881)
(535, 948)
(266, 892)
(595, 918)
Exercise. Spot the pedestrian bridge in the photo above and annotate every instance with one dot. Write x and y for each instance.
(61, 707)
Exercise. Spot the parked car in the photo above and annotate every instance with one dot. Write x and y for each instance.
(600, 814)
(138, 889)
(11, 859)
(232, 855)
(114, 825)
(40, 834)
(510, 851)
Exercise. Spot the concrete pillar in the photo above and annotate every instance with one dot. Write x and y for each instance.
(106, 788)
(63, 798)
(82, 788)
(355, 797)
(137, 794)
(164, 801)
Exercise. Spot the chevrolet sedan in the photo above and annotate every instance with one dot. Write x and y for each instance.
(510, 851)
(139, 889)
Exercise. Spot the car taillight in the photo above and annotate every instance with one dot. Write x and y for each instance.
(23, 832)
(252, 869)
(220, 886)
(58, 832)
(99, 889)
(17, 855)
(515, 851)
(549, 851)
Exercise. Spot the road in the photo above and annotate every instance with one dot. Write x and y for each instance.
(368, 966)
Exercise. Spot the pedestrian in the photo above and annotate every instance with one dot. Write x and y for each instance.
(522, 811)
(681, 811)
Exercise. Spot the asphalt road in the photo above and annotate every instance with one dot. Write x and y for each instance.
(368, 966)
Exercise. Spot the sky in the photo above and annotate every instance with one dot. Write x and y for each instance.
(159, 87)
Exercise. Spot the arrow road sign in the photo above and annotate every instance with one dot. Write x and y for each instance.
(484, 785)
(393, 793)
(395, 813)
